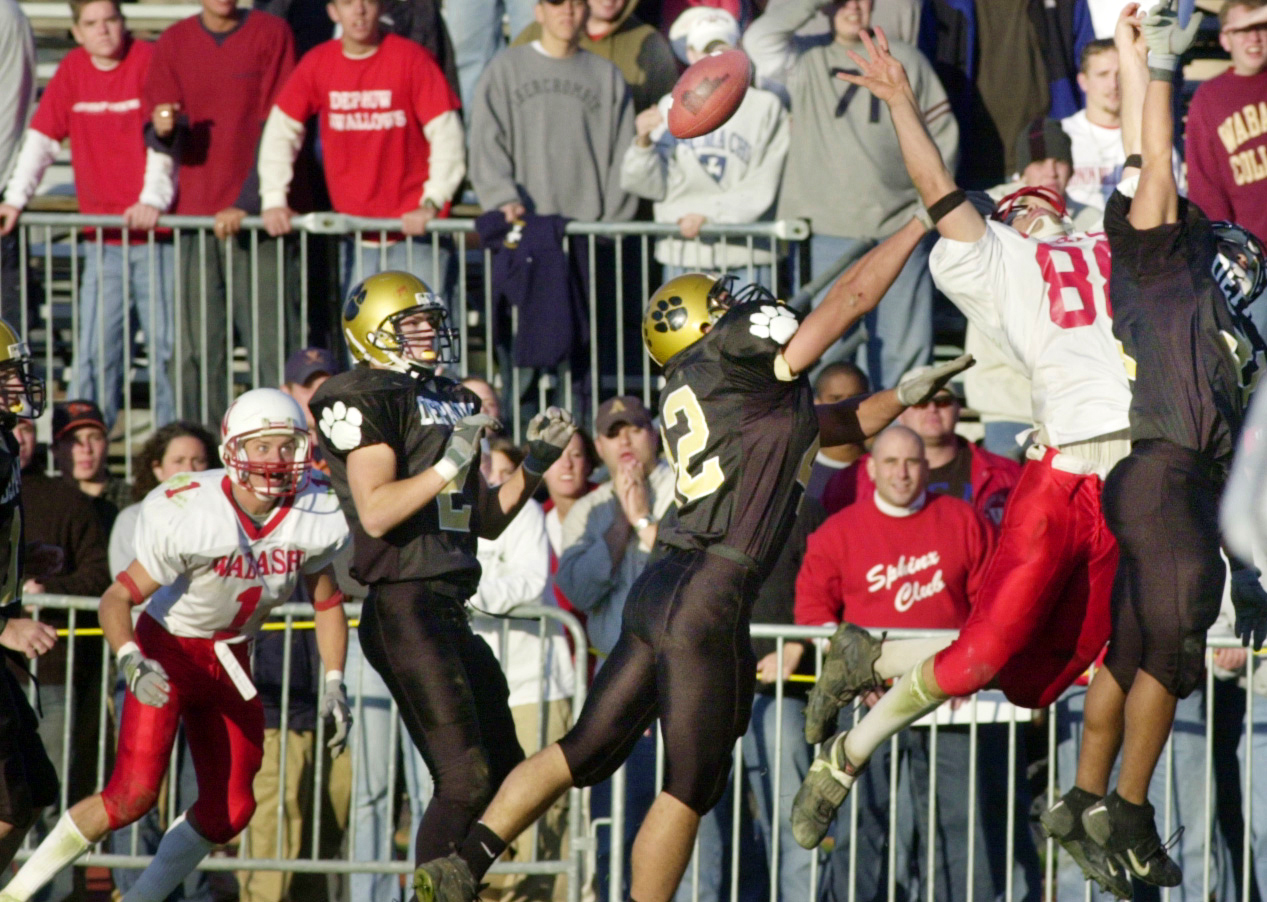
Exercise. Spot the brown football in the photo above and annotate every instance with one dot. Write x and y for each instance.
(708, 93)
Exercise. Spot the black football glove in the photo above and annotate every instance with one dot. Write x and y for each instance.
(1250, 601)
(548, 434)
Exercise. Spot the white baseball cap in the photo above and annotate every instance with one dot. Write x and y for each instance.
(699, 26)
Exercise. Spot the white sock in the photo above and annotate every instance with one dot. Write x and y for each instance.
(901, 706)
(61, 847)
(897, 656)
(178, 854)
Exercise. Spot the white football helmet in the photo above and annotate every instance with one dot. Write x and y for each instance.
(264, 412)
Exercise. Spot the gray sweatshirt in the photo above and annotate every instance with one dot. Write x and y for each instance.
(844, 170)
(551, 134)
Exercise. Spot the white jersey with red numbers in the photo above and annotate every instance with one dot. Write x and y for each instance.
(221, 572)
(1047, 304)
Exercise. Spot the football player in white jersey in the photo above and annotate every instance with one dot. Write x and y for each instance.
(216, 551)
(1043, 611)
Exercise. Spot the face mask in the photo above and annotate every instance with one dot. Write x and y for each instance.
(1050, 227)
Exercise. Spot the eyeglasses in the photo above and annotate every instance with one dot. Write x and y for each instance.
(939, 401)
(561, 2)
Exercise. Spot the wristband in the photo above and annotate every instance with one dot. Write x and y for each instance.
(1134, 161)
(446, 468)
(332, 602)
(126, 649)
(130, 584)
(938, 211)
(334, 676)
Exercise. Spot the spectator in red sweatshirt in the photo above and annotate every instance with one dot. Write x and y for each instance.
(905, 557)
(211, 84)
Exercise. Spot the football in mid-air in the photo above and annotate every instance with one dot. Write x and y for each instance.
(708, 93)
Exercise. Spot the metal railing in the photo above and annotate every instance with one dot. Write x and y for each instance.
(1219, 864)
(229, 311)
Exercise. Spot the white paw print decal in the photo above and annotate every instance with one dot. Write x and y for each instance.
(775, 323)
(342, 425)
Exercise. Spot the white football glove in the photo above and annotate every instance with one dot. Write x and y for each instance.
(146, 678)
(1165, 39)
(464, 443)
(918, 385)
(334, 704)
(548, 434)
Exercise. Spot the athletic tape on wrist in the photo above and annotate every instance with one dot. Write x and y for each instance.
(446, 468)
(334, 676)
(332, 602)
(941, 208)
(133, 589)
(126, 649)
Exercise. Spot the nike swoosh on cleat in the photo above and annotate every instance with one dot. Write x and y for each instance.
(1140, 869)
(487, 850)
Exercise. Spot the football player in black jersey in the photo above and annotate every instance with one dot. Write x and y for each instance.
(739, 423)
(403, 444)
(28, 781)
(1179, 287)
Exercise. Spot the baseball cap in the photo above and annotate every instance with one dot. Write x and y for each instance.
(715, 25)
(619, 410)
(692, 16)
(70, 415)
(1043, 140)
(308, 362)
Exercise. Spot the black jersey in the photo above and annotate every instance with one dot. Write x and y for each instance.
(741, 440)
(414, 417)
(1179, 341)
(11, 526)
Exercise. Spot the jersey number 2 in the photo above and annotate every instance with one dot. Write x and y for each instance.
(1077, 282)
(691, 487)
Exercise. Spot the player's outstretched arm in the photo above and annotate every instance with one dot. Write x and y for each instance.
(852, 296)
(885, 77)
(331, 624)
(547, 435)
(856, 419)
(146, 678)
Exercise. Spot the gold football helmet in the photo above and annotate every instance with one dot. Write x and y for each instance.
(22, 390)
(372, 323)
(680, 313)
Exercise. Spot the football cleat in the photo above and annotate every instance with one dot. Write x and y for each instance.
(823, 791)
(848, 671)
(446, 879)
(1063, 823)
(1128, 835)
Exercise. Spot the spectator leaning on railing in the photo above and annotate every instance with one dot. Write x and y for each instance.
(17, 74)
(94, 99)
(730, 175)
(211, 84)
(549, 125)
(391, 138)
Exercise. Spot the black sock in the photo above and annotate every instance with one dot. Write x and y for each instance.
(1079, 800)
(480, 849)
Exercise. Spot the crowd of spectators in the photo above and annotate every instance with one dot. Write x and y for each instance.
(404, 109)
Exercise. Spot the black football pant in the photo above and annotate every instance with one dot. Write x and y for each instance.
(453, 699)
(28, 780)
(683, 655)
(1162, 504)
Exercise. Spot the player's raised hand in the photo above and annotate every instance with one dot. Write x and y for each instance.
(29, 637)
(882, 75)
(1250, 601)
(334, 704)
(918, 385)
(464, 443)
(1166, 40)
(146, 678)
(548, 434)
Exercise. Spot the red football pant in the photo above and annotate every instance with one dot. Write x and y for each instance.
(225, 734)
(1042, 613)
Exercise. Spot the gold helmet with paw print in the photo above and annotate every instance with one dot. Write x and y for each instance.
(681, 312)
(23, 391)
(374, 324)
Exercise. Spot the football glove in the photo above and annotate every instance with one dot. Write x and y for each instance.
(918, 385)
(334, 704)
(548, 434)
(464, 443)
(1165, 39)
(1250, 601)
(146, 678)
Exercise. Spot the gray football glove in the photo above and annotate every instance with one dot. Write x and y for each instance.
(918, 385)
(334, 704)
(464, 441)
(548, 434)
(1166, 40)
(146, 679)
(1250, 602)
